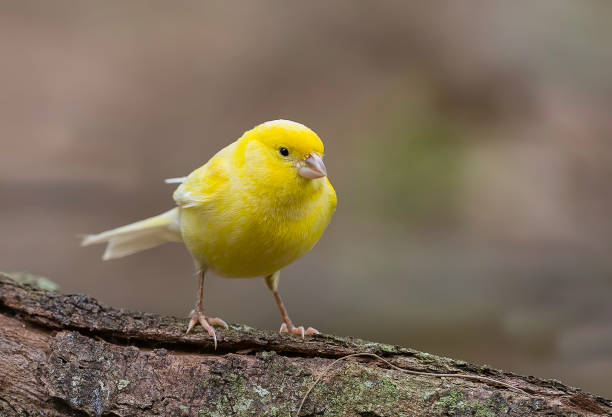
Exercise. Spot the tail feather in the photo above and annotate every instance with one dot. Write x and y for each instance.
(139, 236)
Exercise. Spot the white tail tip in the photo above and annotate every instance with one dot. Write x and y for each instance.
(89, 240)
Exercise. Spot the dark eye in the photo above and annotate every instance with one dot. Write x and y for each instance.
(283, 151)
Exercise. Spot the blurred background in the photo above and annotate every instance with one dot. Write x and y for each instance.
(468, 142)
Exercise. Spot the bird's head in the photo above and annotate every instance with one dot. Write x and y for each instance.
(282, 150)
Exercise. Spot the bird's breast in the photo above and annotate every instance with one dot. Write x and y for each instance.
(250, 234)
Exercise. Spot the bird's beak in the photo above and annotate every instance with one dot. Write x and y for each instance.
(312, 167)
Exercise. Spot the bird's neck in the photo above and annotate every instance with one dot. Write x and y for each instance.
(290, 201)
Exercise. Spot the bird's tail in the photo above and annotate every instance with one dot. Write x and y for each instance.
(138, 236)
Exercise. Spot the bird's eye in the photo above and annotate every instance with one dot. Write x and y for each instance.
(283, 151)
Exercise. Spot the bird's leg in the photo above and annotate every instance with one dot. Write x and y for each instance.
(197, 314)
(287, 326)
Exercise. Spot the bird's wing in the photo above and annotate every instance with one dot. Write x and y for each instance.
(200, 187)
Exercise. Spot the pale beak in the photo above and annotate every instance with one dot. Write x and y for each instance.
(312, 167)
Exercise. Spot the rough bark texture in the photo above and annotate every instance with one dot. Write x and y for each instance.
(69, 355)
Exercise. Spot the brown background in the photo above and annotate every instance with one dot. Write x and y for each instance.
(469, 144)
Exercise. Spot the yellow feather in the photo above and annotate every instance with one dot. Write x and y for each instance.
(136, 237)
(247, 212)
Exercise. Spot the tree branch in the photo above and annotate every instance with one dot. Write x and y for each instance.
(69, 355)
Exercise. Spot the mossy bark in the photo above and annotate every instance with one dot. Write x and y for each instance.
(69, 355)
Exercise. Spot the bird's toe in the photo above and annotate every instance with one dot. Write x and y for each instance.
(193, 320)
(198, 317)
(311, 330)
(297, 330)
(216, 321)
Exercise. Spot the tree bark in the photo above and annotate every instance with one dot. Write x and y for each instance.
(69, 355)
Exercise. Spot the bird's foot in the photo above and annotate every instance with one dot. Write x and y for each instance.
(297, 330)
(196, 317)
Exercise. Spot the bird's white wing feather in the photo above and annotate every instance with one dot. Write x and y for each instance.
(201, 186)
(178, 180)
(185, 198)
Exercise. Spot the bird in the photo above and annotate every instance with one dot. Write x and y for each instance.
(255, 207)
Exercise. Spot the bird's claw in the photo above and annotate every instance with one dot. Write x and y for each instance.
(207, 323)
(216, 321)
(297, 330)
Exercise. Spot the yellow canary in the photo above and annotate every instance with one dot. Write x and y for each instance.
(255, 207)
